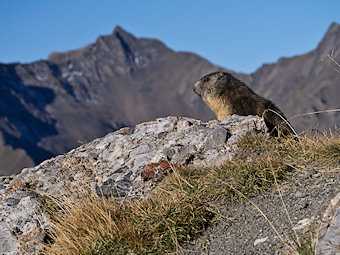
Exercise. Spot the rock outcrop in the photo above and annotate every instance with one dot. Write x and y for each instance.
(127, 162)
(328, 241)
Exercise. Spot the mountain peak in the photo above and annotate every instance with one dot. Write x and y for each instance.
(331, 40)
(119, 29)
(119, 32)
(334, 27)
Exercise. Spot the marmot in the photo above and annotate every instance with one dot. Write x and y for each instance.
(226, 95)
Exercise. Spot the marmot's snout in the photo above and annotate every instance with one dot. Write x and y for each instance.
(197, 87)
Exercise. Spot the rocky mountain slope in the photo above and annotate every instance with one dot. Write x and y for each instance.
(48, 107)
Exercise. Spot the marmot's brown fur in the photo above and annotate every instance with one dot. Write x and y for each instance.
(226, 95)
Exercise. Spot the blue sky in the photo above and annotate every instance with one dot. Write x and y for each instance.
(239, 35)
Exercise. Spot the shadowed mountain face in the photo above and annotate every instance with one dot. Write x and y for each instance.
(48, 107)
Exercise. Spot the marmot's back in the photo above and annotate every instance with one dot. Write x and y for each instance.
(226, 95)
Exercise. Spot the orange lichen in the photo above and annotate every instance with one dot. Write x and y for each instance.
(124, 131)
(155, 170)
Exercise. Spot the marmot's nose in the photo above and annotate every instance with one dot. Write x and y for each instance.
(196, 87)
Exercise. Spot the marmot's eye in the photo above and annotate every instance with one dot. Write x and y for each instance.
(206, 79)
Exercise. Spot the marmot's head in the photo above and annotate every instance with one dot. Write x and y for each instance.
(212, 85)
(213, 89)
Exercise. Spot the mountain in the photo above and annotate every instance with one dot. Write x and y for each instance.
(305, 83)
(51, 106)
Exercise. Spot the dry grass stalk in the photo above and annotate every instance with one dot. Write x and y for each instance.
(332, 58)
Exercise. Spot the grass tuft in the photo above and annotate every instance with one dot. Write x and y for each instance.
(306, 249)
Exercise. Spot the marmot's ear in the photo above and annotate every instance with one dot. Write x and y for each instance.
(222, 77)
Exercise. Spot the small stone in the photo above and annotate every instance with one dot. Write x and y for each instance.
(261, 240)
(308, 174)
(299, 194)
(216, 138)
(302, 224)
(169, 153)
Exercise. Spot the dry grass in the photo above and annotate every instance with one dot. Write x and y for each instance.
(323, 151)
(97, 225)
(184, 204)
